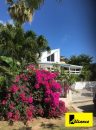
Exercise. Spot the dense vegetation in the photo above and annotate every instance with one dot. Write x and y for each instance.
(89, 68)
(19, 48)
(33, 93)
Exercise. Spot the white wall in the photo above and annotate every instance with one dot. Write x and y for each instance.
(81, 85)
(45, 54)
(68, 99)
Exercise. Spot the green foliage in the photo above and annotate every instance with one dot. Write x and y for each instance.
(8, 60)
(68, 78)
(21, 46)
(93, 72)
(65, 77)
(7, 70)
(2, 80)
(85, 61)
(80, 60)
(7, 67)
(85, 74)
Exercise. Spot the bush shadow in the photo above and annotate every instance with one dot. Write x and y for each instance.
(49, 126)
(89, 108)
(24, 128)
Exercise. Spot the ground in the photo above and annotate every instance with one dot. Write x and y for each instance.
(48, 124)
(38, 124)
(88, 107)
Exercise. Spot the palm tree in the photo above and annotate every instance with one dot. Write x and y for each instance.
(4, 67)
(7, 45)
(23, 10)
(24, 47)
(33, 47)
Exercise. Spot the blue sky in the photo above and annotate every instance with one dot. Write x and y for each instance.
(70, 25)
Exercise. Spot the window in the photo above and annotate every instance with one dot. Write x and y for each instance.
(50, 58)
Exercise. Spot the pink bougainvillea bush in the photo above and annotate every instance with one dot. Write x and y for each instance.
(33, 93)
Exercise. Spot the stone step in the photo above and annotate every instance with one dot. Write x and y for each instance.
(77, 109)
(83, 100)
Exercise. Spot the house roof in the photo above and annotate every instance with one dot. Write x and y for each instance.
(63, 65)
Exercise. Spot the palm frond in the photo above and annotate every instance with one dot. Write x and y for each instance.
(5, 71)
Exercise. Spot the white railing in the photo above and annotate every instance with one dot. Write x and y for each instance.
(75, 72)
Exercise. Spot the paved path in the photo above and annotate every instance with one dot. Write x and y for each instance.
(83, 102)
(87, 107)
(82, 95)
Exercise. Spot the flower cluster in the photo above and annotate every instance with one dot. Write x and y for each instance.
(34, 93)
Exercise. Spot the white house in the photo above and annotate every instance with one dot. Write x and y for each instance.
(48, 59)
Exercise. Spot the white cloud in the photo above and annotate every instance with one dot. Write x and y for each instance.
(10, 21)
(2, 22)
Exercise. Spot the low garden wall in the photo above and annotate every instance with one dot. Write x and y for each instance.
(82, 85)
(68, 99)
(78, 86)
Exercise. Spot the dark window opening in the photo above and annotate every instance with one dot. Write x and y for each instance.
(52, 57)
(48, 58)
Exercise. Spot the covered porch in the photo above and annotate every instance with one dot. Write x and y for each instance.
(71, 69)
(64, 68)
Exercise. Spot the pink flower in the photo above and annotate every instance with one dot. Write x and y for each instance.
(11, 106)
(29, 113)
(16, 116)
(30, 100)
(8, 96)
(47, 100)
(31, 67)
(14, 88)
(17, 78)
(22, 96)
(40, 111)
(37, 86)
(33, 87)
(9, 115)
(48, 92)
(24, 77)
(4, 102)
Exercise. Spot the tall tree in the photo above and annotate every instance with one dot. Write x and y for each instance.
(93, 71)
(23, 10)
(80, 60)
(23, 46)
(85, 61)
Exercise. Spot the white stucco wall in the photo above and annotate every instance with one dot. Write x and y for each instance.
(45, 54)
(68, 99)
(81, 85)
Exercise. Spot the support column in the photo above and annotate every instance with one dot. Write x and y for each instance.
(69, 70)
